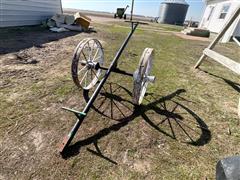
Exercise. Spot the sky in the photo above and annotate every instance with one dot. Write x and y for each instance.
(141, 7)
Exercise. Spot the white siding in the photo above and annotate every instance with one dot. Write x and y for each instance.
(27, 12)
(215, 24)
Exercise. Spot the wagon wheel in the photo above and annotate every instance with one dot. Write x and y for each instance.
(141, 76)
(88, 56)
(114, 102)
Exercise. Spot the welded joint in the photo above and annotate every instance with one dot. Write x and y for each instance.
(150, 79)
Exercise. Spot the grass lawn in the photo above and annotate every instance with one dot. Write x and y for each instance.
(188, 120)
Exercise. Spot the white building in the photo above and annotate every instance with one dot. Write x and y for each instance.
(27, 12)
(217, 13)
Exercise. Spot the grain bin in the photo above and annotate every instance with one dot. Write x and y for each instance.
(173, 12)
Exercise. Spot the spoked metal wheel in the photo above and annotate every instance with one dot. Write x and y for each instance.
(87, 59)
(142, 76)
(114, 102)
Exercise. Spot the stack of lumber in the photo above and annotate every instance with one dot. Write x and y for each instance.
(196, 32)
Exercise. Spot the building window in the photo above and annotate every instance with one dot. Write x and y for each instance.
(211, 12)
(224, 11)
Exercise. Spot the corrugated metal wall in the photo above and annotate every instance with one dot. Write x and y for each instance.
(27, 12)
(172, 13)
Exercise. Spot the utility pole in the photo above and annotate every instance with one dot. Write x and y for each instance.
(132, 10)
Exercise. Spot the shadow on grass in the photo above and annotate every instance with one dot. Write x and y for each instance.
(14, 39)
(234, 85)
(99, 153)
(171, 117)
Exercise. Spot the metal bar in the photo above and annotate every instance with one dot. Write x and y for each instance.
(117, 70)
(67, 140)
(97, 66)
(74, 111)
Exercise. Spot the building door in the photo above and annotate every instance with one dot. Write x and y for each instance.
(208, 17)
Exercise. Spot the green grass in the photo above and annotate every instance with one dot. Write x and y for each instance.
(167, 27)
(149, 26)
(142, 147)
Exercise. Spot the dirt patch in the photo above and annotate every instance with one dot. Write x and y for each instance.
(37, 139)
(188, 37)
(202, 75)
(230, 107)
(142, 166)
(20, 58)
(2, 177)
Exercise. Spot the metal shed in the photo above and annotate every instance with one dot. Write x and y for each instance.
(27, 12)
(173, 12)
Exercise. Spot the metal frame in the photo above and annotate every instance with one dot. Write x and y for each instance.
(112, 68)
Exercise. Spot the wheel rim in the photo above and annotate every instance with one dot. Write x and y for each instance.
(140, 76)
(87, 55)
(146, 73)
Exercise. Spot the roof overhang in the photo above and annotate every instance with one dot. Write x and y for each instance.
(213, 1)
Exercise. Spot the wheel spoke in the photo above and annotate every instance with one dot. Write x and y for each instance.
(86, 80)
(83, 63)
(81, 70)
(118, 108)
(98, 57)
(92, 49)
(95, 55)
(84, 55)
(91, 74)
(89, 51)
(83, 77)
(95, 74)
(89, 77)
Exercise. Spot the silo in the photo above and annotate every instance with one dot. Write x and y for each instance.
(173, 12)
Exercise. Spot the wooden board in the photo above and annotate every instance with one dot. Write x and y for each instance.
(225, 61)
